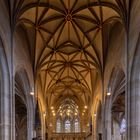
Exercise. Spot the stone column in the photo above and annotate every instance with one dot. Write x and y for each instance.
(133, 111)
(133, 97)
(6, 97)
(30, 119)
(107, 120)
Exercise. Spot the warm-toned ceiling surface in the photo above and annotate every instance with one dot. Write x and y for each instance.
(68, 41)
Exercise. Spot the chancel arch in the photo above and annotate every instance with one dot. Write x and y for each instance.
(67, 116)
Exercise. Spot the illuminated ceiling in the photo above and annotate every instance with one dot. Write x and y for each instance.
(68, 40)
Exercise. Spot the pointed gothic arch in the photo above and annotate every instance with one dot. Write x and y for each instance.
(115, 104)
(25, 100)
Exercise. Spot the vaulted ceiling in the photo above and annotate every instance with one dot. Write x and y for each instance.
(68, 39)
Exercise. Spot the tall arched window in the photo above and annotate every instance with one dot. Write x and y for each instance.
(67, 126)
(77, 126)
(123, 126)
(58, 126)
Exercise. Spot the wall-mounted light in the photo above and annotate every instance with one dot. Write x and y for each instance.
(44, 114)
(108, 91)
(32, 92)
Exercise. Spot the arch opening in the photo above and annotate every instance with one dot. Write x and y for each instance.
(20, 119)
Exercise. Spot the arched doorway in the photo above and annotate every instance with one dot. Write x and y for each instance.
(20, 119)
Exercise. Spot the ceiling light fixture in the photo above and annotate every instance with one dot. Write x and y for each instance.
(75, 114)
(85, 107)
(52, 107)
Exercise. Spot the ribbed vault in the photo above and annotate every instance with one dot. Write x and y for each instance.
(68, 39)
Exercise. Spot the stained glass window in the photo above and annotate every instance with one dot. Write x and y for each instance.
(123, 126)
(58, 126)
(67, 126)
(77, 127)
